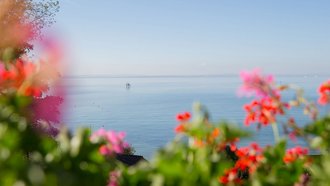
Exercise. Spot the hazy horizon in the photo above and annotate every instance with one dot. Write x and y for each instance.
(180, 76)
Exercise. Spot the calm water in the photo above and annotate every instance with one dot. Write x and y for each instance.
(146, 112)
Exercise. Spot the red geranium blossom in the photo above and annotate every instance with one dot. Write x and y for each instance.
(182, 117)
(180, 128)
(324, 91)
(230, 176)
(248, 160)
(264, 111)
(294, 153)
(23, 76)
(249, 157)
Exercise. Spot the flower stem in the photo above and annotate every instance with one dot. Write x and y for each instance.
(275, 132)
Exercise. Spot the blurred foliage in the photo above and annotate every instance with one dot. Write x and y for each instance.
(319, 133)
(202, 152)
(31, 158)
(272, 171)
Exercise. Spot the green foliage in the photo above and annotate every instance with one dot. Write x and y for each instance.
(321, 171)
(32, 158)
(272, 171)
(36, 159)
(319, 131)
(182, 162)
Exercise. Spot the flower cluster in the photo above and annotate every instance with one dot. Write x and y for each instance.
(24, 78)
(324, 91)
(265, 110)
(20, 76)
(249, 157)
(182, 118)
(247, 163)
(268, 104)
(294, 153)
(114, 142)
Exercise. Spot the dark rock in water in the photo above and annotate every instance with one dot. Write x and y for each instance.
(129, 159)
(128, 86)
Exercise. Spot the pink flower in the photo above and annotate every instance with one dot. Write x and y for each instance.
(46, 114)
(47, 109)
(114, 142)
(100, 133)
(104, 150)
(113, 178)
(254, 83)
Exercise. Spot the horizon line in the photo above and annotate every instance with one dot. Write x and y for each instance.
(178, 76)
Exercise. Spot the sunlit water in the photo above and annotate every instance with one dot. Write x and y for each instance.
(146, 111)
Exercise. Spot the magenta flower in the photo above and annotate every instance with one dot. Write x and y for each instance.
(46, 114)
(47, 109)
(254, 83)
(114, 142)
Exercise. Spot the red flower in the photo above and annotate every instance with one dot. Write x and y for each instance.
(182, 117)
(249, 157)
(232, 146)
(180, 128)
(248, 160)
(33, 91)
(230, 175)
(324, 91)
(24, 76)
(264, 111)
(294, 153)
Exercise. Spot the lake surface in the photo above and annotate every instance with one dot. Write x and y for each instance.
(146, 111)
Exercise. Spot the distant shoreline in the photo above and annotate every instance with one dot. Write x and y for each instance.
(189, 76)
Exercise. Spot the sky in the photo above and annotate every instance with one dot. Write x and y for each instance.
(195, 37)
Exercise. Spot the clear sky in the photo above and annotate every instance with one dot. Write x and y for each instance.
(194, 37)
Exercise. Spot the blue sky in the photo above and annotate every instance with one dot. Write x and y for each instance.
(195, 37)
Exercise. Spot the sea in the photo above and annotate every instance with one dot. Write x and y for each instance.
(146, 111)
